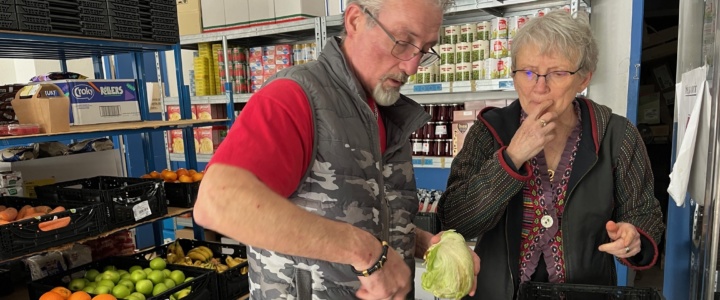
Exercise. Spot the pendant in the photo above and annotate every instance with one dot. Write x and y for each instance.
(551, 173)
(547, 221)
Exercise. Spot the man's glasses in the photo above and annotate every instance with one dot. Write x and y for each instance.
(403, 50)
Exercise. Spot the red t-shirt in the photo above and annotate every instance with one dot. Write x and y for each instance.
(273, 136)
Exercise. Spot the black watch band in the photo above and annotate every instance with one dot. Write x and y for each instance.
(378, 264)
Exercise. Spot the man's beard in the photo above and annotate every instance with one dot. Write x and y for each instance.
(387, 97)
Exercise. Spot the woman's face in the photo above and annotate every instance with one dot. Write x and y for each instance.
(561, 84)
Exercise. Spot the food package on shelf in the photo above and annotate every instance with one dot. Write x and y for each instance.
(46, 264)
(10, 179)
(91, 145)
(77, 256)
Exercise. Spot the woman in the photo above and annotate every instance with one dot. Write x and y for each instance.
(554, 186)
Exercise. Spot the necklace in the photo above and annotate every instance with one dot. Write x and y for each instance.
(551, 173)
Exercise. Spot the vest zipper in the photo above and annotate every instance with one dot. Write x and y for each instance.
(563, 226)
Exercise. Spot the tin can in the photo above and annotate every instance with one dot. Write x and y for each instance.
(490, 68)
(463, 71)
(426, 148)
(480, 50)
(515, 23)
(447, 54)
(498, 48)
(477, 72)
(498, 27)
(463, 52)
(483, 31)
(423, 75)
(447, 73)
(507, 67)
(467, 33)
(452, 34)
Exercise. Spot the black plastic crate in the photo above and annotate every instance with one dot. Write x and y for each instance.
(125, 2)
(8, 23)
(540, 291)
(95, 26)
(163, 7)
(94, 18)
(32, 11)
(33, 3)
(163, 13)
(34, 27)
(124, 22)
(4, 8)
(61, 20)
(34, 19)
(65, 28)
(124, 198)
(166, 39)
(8, 16)
(232, 283)
(25, 236)
(165, 26)
(96, 33)
(115, 7)
(126, 36)
(162, 32)
(181, 194)
(72, 4)
(165, 2)
(92, 11)
(4, 2)
(202, 285)
(123, 28)
(93, 4)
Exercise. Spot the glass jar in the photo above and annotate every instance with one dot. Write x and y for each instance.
(419, 133)
(426, 147)
(443, 147)
(451, 111)
(417, 147)
(444, 113)
(429, 130)
(431, 109)
(441, 130)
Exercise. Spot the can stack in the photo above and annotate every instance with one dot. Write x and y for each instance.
(216, 50)
(237, 65)
(202, 65)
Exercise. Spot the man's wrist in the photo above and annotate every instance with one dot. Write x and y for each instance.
(377, 265)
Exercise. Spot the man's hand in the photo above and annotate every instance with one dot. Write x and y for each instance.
(625, 240)
(392, 281)
(476, 261)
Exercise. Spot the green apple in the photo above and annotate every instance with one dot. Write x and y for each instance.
(120, 291)
(169, 283)
(89, 289)
(156, 276)
(189, 278)
(92, 284)
(166, 272)
(125, 276)
(144, 287)
(131, 297)
(157, 263)
(127, 283)
(102, 290)
(77, 284)
(122, 272)
(91, 274)
(138, 295)
(177, 276)
(133, 268)
(159, 289)
(147, 271)
(112, 275)
(107, 283)
(137, 275)
(109, 268)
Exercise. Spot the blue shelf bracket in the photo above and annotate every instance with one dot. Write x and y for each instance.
(139, 72)
(162, 61)
(228, 83)
(184, 97)
(63, 65)
(98, 67)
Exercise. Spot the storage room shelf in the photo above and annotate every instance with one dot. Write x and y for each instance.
(214, 99)
(461, 91)
(48, 46)
(92, 131)
(432, 162)
(172, 212)
(180, 157)
(259, 34)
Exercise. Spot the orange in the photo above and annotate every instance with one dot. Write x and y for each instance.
(192, 172)
(65, 293)
(146, 176)
(155, 174)
(104, 297)
(197, 177)
(80, 295)
(170, 175)
(51, 296)
(185, 178)
(182, 171)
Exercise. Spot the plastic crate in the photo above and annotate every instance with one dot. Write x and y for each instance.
(33, 3)
(96, 33)
(166, 26)
(34, 19)
(231, 284)
(24, 236)
(8, 23)
(181, 194)
(125, 22)
(123, 197)
(163, 7)
(8, 16)
(164, 2)
(93, 4)
(95, 26)
(115, 7)
(125, 2)
(32, 11)
(7, 8)
(34, 27)
(93, 18)
(202, 285)
(4, 2)
(92, 11)
(163, 13)
(540, 291)
(428, 222)
(126, 36)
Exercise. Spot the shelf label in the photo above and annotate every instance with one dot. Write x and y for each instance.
(141, 210)
(424, 88)
(417, 161)
(506, 84)
(427, 162)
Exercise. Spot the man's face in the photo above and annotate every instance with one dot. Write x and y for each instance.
(382, 65)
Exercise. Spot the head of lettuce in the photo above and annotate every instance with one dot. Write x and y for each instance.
(449, 267)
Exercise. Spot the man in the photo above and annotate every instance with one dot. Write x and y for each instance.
(316, 174)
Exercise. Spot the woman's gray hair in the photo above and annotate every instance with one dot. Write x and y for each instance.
(560, 32)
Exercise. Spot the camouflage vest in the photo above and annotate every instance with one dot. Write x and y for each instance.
(344, 179)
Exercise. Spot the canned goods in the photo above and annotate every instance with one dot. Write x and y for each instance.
(462, 71)
(463, 52)
(467, 33)
(498, 48)
(515, 23)
(447, 54)
(498, 27)
(452, 34)
(483, 31)
(480, 50)
(507, 67)
(447, 73)
(423, 75)
(491, 68)
(477, 72)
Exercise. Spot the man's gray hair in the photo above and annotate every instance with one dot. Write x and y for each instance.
(373, 6)
(560, 32)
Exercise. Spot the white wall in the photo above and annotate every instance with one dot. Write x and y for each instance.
(22, 70)
(611, 22)
(187, 64)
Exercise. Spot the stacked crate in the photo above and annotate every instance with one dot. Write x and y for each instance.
(164, 21)
(8, 16)
(34, 15)
(94, 18)
(125, 19)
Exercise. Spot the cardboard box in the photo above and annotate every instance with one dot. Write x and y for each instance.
(334, 7)
(101, 101)
(475, 105)
(263, 12)
(173, 112)
(287, 10)
(237, 12)
(188, 5)
(463, 120)
(190, 22)
(205, 137)
(211, 111)
(213, 14)
(176, 144)
(188, 233)
(43, 104)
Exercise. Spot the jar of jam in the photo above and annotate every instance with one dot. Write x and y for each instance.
(431, 109)
(443, 147)
(433, 147)
(442, 130)
(429, 130)
(443, 112)
(451, 111)
(426, 147)
(417, 147)
(419, 133)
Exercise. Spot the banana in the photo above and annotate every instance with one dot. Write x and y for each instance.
(221, 268)
(230, 261)
(188, 261)
(196, 255)
(179, 250)
(197, 263)
(240, 260)
(172, 258)
(208, 252)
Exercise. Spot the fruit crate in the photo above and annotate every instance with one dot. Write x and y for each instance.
(541, 291)
(33, 3)
(127, 200)
(163, 13)
(94, 18)
(163, 7)
(34, 19)
(7, 2)
(34, 27)
(8, 23)
(232, 283)
(203, 285)
(181, 194)
(26, 236)
(95, 26)
(96, 33)
(126, 36)
(32, 11)
(125, 2)
(125, 22)
(70, 4)
(93, 4)
(115, 7)
(165, 2)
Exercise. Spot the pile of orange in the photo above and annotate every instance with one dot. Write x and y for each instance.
(61, 293)
(179, 175)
